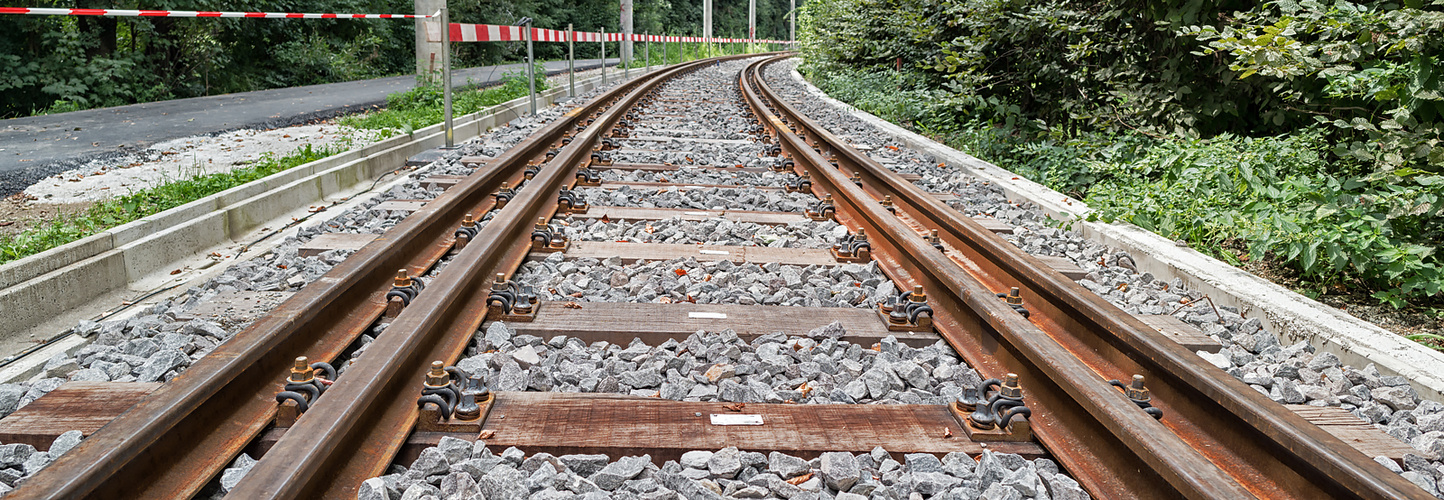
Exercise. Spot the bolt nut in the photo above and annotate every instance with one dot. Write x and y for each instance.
(437, 377)
(301, 372)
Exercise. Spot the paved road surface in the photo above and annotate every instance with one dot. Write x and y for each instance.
(35, 147)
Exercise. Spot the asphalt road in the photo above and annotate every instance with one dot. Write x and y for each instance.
(36, 147)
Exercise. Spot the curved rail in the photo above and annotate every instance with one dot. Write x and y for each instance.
(1221, 439)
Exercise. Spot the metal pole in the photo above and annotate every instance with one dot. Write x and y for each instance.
(626, 52)
(604, 56)
(530, 69)
(446, 76)
(792, 16)
(571, 56)
(706, 20)
(647, 50)
(751, 20)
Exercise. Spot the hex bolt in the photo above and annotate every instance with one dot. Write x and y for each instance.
(1014, 297)
(918, 295)
(301, 372)
(402, 280)
(1010, 388)
(437, 377)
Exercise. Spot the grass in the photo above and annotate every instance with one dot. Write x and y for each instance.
(422, 106)
(145, 202)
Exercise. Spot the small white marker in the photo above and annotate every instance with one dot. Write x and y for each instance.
(731, 419)
(713, 252)
(706, 315)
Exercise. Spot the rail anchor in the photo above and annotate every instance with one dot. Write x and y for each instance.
(907, 312)
(510, 301)
(301, 390)
(1137, 393)
(468, 228)
(853, 248)
(1000, 417)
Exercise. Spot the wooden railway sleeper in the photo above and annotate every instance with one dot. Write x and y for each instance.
(403, 291)
(992, 417)
(907, 312)
(1014, 299)
(569, 201)
(302, 388)
(853, 248)
(468, 229)
(1137, 393)
(543, 237)
(510, 301)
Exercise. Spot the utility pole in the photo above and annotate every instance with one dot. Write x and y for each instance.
(626, 35)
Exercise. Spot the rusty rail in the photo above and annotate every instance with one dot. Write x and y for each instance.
(1220, 439)
(373, 407)
(177, 439)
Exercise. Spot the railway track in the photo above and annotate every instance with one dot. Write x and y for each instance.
(903, 276)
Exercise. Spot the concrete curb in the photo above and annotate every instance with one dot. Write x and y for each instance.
(43, 285)
(1291, 316)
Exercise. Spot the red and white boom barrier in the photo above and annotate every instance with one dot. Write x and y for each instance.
(193, 13)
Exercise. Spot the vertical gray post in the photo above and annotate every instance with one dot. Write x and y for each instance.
(792, 25)
(647, 50)
(751, 19)
(571, 56)
(530, 68)
(446, 76)
(604, 56)
(427, 50)
(706, 21)
(626, 51)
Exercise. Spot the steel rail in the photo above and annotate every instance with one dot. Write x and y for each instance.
(372, 408)
(177, 439)
(1262, 447)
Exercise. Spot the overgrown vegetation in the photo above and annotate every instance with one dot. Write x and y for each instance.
(1303, 133)
(423, 105)
(120, 210)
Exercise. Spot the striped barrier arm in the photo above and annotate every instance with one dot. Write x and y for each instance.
(193, 13)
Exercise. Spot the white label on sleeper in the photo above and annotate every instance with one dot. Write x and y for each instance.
(734, 419)
(706, 315)
(704, 214)
(714, 252)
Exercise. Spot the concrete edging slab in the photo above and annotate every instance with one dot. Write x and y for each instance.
(1291, 316)
(38, 287)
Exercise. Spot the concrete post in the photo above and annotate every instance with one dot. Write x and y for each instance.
(604, 56)
(571, 57)
(626, 51)
(706, 21)
(647, 50)
(792, 25)
(446, 76)
(530, 68)
(427, 52)
(751, 19)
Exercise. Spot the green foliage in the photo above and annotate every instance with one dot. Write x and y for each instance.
(133, 206)
(423, 105)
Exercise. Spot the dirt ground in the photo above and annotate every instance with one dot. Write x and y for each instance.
(20, 212)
